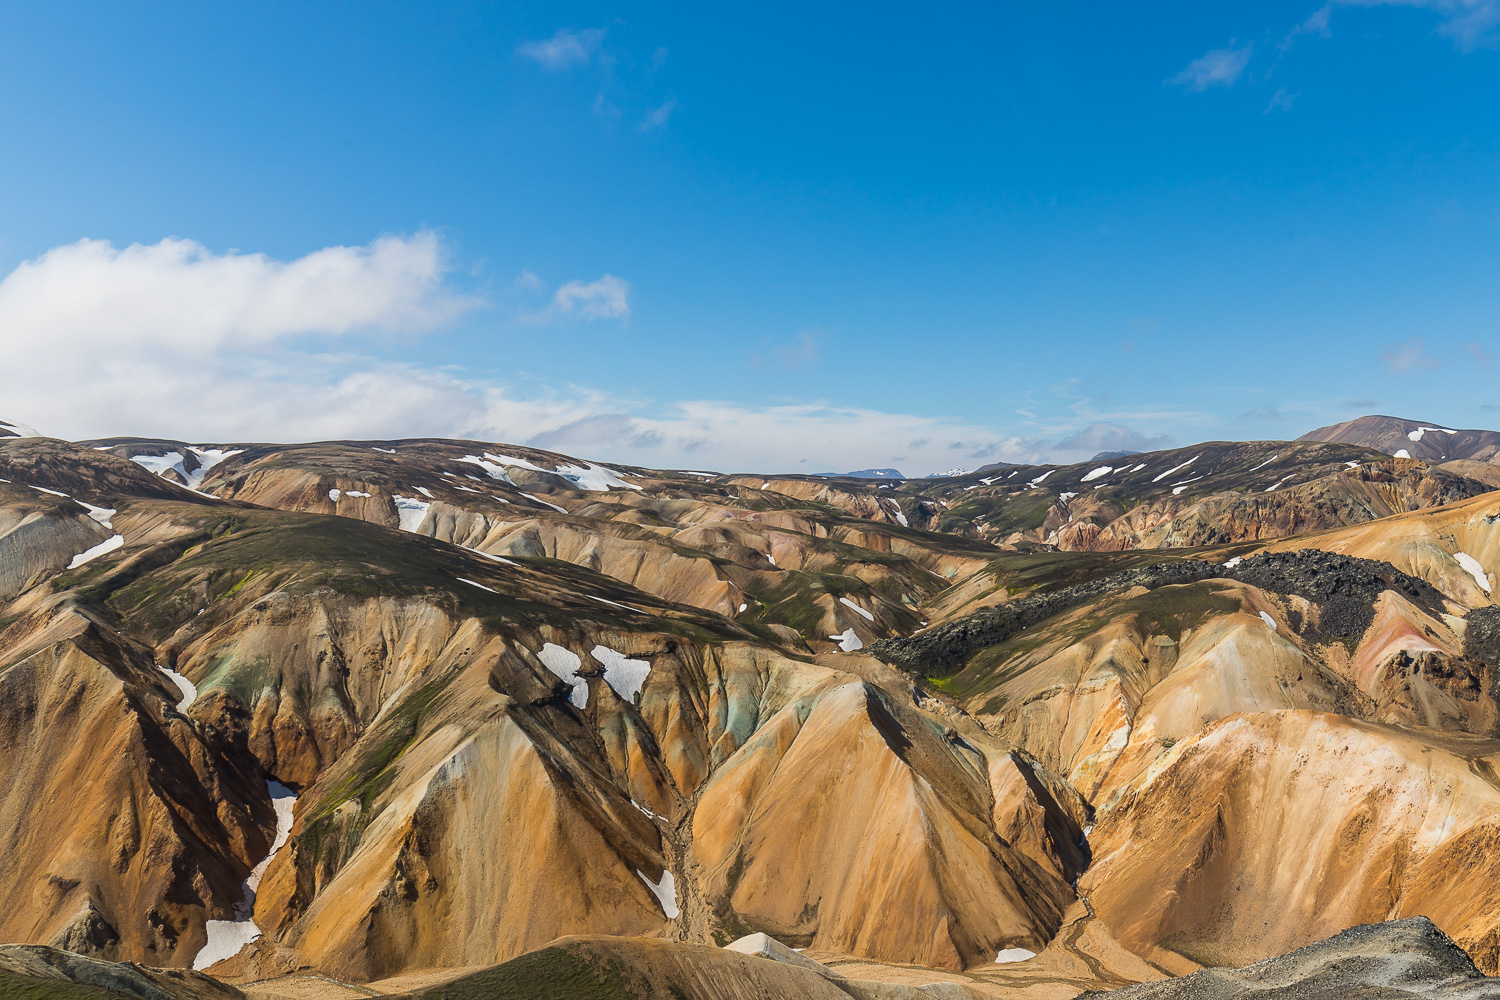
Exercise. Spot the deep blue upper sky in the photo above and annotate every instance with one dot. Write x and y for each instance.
(1010, 221)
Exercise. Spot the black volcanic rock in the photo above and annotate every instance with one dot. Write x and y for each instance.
(1398, 959)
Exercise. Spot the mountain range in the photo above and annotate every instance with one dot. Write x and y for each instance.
(461, 718)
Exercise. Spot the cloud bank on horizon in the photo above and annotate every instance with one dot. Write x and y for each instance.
(174, 340)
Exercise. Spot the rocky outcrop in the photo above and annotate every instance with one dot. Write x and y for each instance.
(1407, 959)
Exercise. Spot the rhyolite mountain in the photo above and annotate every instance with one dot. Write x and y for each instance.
(373, 710)
(1412, 439)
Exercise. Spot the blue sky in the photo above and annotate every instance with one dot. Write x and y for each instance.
(783, 237)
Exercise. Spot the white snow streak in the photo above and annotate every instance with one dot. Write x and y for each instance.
(1103, 470)
(1269, 621)
(665, 892)
(103, 548)
(227, 937)
(560, 510)
(1176, 468)
(1473, 568)
(1014, 955)
(856, 607)
(187, 688)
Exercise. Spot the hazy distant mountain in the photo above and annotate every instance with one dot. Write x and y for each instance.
(1104, 456)
(876, 474)
(1404, 438)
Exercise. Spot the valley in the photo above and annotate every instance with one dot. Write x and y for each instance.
(421, 712)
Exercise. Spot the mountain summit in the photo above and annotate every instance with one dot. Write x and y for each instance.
(1404, 438)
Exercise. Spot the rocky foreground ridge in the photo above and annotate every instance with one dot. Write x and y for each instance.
(365, 709)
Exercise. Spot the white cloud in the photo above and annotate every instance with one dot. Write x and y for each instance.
(90, 297)
(1215, 68)
(1316, 23)
(1281, 101)
(659, 115)
(1407, 357)
(565, 49)
(1106, 436)
(1470, 23)
(607, 297)
(172, 340)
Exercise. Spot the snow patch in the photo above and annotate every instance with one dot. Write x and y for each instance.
(1269, 621)
(1232, 563)
(1473, 568)
(207, 459)
(742, 608)
(625, 675)
(1416, 435)
(110, 544)
(1103, 470)
(22, 430)
(1014, 955)
(56, 493)
(357, 493)
(174, 461)
(334, 495)
(590, 477)
(1402, 453)
(101, 514)
(474, 583)
(857, 608)
(425, 492)
(1038, 480)
(185, 687)
(565, 663)
(411, 511)
(388, 451)
(848, 641)
(900, 517)
(665, 892)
